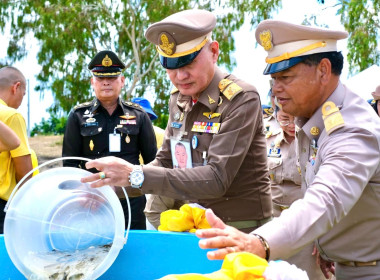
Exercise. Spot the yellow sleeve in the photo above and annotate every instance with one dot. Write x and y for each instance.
(17, 123)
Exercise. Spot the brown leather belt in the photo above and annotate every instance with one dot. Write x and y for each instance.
(351, 263)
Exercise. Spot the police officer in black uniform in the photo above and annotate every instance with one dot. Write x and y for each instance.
(109, 126)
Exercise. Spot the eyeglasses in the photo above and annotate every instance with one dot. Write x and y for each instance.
(285, 123)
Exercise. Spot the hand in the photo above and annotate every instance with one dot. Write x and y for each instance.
(116, 171)
(226, 239)
(326, 267)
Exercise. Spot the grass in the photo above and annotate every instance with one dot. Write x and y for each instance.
(46, 147)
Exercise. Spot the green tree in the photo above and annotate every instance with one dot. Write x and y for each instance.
(71, 32)
(53, 126)
(361, 20)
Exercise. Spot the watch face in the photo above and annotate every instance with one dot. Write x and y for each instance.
(137, 177)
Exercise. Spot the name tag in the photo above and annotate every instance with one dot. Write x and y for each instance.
(114, 143)
(176, 125)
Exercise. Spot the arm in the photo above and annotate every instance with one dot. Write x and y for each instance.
(147, 143)
(72, 141)
(349, 160)
(21, 156)
(23, 165)
(8, 138)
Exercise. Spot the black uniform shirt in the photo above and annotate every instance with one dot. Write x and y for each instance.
(89, 126)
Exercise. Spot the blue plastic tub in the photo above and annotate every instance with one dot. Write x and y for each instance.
(147, 255)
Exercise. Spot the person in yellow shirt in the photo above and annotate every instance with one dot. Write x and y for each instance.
(16, 163)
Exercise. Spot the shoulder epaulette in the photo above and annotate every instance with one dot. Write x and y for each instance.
(174, 90)
(229, 88)
(132, 104)
(332, 117)
(82, 105)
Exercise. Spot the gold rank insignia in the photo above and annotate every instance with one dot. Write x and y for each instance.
(332, 117)
(232, 90)
(314, 131)
(229, 88)
(167, 43)
(91, 145)
(210, 100)
(266, 40)
(106, 61)
(211, 115)
(223, 84)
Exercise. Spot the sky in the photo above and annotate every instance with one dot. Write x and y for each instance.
(250, 59)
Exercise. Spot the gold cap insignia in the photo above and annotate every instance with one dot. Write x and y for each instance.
(314, 131)
(266, 40)
(167, 43)
(210, 100)
(106, 61)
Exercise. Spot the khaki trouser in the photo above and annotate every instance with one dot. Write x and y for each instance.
(303, 259)
(156, 204)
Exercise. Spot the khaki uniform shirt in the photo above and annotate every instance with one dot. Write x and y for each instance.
(284, 169)
(341, 206)
(233, 181)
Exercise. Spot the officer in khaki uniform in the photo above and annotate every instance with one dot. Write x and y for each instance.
(107, 125)
(218, 115)
(339, 153)
(285, 175)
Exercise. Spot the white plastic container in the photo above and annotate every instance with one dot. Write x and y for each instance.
(56, 227)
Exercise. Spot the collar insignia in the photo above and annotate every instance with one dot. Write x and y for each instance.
(314, 131)
(210, 100)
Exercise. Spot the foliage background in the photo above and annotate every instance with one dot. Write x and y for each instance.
(71, 32)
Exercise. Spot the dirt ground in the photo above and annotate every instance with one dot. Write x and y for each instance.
(46, 147)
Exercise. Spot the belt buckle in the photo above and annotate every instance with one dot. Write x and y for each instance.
(359, 264)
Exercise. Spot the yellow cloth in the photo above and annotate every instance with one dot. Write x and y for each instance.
(34, 161)
(187, 218)
(16, 122)
(236, 266)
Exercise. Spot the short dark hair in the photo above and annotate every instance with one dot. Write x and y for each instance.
(336, 59)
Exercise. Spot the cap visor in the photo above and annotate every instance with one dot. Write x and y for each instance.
(178, 62)
(283, 65)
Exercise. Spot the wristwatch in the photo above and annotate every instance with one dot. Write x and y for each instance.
(136, 177)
